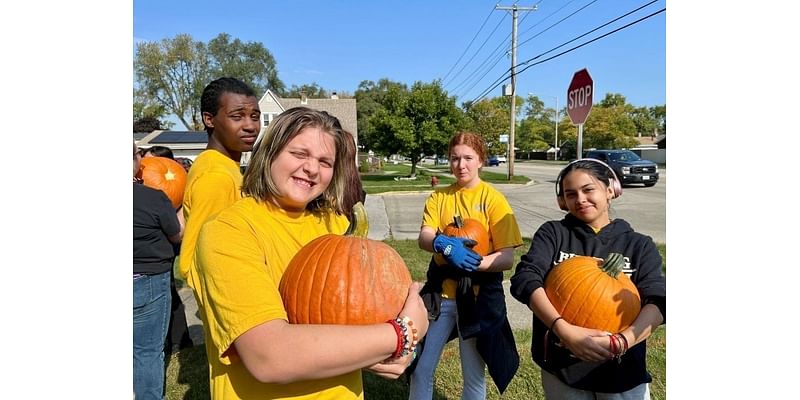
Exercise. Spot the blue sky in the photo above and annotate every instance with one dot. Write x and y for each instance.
(338, 44)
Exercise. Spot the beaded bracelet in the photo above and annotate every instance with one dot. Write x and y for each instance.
(407, 338)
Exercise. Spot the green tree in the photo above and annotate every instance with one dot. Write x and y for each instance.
(249, 61)
(313, 91)
(489, 120)
(536, 132)
(370, 97)
(169, 72)
(148, 117)
(173, 72)
(659, 114)
(416, 122)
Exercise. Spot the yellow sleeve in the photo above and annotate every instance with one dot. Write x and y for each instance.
(503, 227)
(238, 293)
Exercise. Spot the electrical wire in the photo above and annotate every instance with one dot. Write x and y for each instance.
(497, 82)
(470, 44)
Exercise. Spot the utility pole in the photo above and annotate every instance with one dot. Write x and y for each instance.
(514, 8)
(556, 127)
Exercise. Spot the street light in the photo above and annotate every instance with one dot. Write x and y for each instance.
(556, 122)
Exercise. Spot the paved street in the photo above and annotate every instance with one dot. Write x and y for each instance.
(644, 208)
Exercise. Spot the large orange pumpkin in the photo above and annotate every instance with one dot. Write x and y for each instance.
(166, 175)
(466, 228)
(347, 280)
(591, 293)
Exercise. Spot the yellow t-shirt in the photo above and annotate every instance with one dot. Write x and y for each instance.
(241, 257)
(483, 203)
(213, 184)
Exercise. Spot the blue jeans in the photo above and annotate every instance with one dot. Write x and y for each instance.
(151, 309)
(472, 365)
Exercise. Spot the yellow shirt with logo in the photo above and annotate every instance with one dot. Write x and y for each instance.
(483, 203)
(213, 184)
(241, 257)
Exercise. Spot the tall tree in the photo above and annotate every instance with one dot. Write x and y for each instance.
(416, 122)
(370, 97)
(169, 72)
(249, 61)
(173, 72)
(489, 120)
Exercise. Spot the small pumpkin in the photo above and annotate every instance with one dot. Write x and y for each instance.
(166, 175)
(593, 293)
(347, 280)
(466, 228)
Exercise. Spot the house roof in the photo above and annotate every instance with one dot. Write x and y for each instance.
(180, 137)
(343, 109)
(175, 140)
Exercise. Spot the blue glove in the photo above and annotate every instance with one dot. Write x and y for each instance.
(457, 251)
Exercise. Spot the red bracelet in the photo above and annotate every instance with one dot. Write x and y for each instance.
(399, 348)
(613, 344)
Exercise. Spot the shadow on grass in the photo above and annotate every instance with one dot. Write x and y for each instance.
(187, 375)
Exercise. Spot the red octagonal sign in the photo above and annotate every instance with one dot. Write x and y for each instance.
(579, 97)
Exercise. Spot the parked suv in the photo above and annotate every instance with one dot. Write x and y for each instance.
(628, 166)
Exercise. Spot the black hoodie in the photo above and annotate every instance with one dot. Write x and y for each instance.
(556, 241)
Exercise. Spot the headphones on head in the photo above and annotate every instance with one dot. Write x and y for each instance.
(613, 182)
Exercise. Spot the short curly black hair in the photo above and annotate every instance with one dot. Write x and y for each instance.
(209, 102)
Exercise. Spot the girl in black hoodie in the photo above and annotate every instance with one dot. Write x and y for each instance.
(578, 362)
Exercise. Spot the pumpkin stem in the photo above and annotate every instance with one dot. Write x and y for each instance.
(613, 264)
(458, 221)
(359, 225)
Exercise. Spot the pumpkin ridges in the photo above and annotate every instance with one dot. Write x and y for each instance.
(356, 281)
(321, 279)
(586, 295)
(588, 286)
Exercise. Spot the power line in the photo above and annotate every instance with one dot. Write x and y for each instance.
(504, 77)
(470, 44)
(556, 23)
(487, 59)
(479, 49)
(500, 56)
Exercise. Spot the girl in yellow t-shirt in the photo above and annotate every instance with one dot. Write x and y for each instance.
(293, 190)
(465, 294)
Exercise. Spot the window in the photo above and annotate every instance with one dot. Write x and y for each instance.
(266, 118)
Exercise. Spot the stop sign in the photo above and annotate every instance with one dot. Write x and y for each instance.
(579, 97)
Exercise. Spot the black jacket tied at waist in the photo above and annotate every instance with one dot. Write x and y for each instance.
(483, 316)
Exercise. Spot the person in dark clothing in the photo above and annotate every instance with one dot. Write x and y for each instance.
(578, 362)
(155, 229)
(178, 337)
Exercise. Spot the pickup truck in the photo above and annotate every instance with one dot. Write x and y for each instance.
(628, 166)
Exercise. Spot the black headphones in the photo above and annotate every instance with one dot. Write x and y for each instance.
(613, 182)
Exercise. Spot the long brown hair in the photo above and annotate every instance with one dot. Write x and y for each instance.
(257, 181)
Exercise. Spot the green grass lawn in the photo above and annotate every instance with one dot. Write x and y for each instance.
(187, 370)
(388, 180)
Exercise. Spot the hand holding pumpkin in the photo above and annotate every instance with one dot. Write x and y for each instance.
(415, 309)
(457, 251)
(585, 343)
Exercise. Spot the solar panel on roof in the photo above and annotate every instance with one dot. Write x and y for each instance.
(181, 137)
